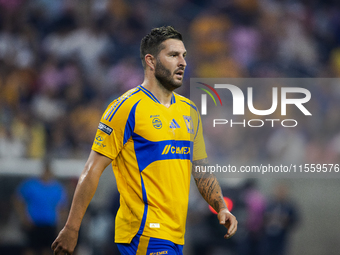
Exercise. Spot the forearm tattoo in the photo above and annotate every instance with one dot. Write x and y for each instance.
(208, 185)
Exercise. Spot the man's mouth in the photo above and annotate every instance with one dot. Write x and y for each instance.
(179, 74)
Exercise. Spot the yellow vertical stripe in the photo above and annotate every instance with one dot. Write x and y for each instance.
(143, 245)
(164, 150)
(168, 149)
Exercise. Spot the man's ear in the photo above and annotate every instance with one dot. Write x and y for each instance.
(150, 61)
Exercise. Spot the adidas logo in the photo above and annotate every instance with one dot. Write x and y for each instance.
(174, 124)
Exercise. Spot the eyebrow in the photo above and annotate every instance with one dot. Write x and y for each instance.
(177, 52)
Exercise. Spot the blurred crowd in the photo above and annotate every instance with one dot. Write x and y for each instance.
(265, 222)
(62, 62)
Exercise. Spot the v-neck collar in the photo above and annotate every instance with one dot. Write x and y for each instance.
(150, 95)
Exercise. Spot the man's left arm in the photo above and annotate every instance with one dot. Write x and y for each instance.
(210, 189)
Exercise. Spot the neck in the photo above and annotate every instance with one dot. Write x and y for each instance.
(162, 94)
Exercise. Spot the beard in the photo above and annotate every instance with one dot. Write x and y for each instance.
(165, 78)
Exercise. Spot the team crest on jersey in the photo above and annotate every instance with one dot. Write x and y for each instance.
(157, 123)
(189, 124)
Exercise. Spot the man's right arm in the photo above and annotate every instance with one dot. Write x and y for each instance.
(86, 187)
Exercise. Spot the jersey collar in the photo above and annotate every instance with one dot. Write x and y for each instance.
(150, 95)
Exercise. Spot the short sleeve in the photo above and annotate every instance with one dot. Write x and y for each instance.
(199, 151)
(115, 127)
(109, 136)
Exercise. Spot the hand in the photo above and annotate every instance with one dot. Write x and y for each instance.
(65, 242)
(229, 221)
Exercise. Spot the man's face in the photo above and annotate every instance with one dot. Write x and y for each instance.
(170, 64)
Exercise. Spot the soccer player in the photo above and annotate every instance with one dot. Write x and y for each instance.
(153, 139)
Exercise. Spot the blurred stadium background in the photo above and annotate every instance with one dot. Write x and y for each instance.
(63, 61)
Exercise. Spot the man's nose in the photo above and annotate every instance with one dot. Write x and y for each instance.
(182, 62)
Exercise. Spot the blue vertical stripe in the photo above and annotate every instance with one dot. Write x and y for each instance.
(173, 99)
(145, 200)
(198, 125)
(130, 123)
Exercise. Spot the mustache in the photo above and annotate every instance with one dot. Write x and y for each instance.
(179, 69)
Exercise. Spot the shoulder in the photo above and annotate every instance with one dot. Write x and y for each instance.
(184, 100)
(28, 185)
(57, 185)
(31, 182)
(123, 104)
(128, 97)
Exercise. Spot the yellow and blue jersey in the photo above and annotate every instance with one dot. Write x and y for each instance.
(152, 147)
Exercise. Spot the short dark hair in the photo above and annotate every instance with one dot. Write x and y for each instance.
(152, 42)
